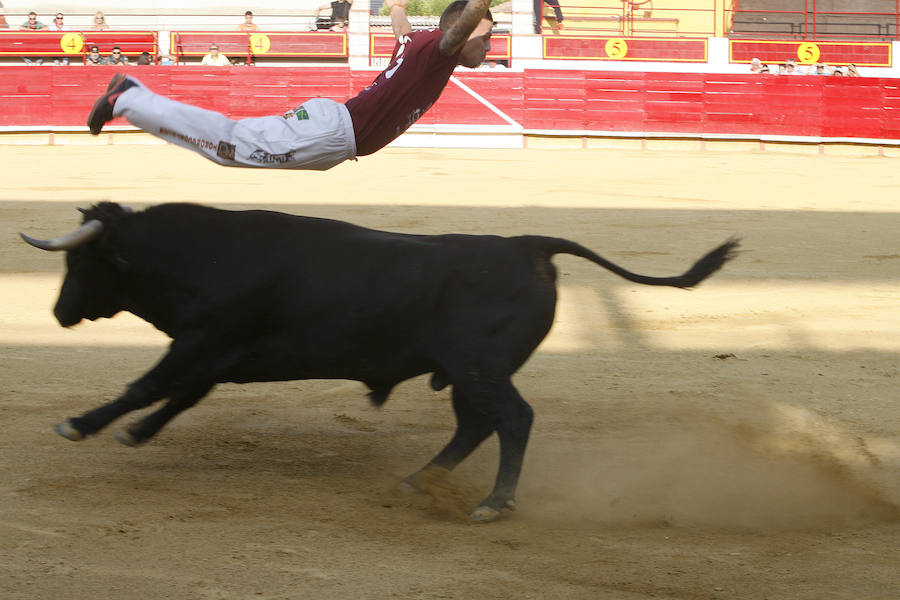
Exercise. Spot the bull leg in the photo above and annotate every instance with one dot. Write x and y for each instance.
(480, 410)
(515, 417)
(471, 430)
(141, 431)
(185, 357)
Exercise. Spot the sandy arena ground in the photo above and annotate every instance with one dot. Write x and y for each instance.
(740, 441)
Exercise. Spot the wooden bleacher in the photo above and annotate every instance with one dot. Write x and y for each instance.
(17, 44)
(303, 44)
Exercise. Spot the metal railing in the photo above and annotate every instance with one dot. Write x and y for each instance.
(806, 21)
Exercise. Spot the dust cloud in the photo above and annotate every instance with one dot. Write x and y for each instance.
(772, 466)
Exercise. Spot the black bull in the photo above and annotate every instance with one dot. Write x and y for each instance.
(264, 296)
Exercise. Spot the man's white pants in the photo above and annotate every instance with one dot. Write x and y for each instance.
(316, 136)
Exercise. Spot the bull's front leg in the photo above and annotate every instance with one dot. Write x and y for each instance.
(175, 369)
(141, 431)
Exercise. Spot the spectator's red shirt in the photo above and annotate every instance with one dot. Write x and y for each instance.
(413, 81)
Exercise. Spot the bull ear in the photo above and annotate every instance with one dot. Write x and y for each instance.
(84, 234)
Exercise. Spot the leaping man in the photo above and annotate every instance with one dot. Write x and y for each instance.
(320, 133)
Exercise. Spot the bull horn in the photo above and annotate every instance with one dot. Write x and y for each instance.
(80, 236)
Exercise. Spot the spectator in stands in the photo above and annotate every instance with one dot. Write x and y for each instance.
(340, 15)
(539, 13)
(3, 23)
(116, 57)
(321, 133)
(755, 65)
(144, 59)
(93, 58)
(557, 11)
(99, 23)
(764, 69)
(32, 24)
(838, 71)
(214, 59)
(248, 24)
(852, 71)
(58, 23)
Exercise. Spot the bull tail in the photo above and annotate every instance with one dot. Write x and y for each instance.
(703, 268)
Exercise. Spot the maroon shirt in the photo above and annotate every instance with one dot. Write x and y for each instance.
(413, 81)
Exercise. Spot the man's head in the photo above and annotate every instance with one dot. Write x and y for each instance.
(58, 19)
(32, 17)
(248, 16)
(95, 51)
(479, 43)
(214, 50)
(453, 11)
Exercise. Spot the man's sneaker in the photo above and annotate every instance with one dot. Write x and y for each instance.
(102, 113)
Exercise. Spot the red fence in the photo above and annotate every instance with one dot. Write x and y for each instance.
(686, 104)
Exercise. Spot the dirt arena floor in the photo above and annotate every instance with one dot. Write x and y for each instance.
(739, 441)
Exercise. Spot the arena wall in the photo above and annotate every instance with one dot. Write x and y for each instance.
(533, 101)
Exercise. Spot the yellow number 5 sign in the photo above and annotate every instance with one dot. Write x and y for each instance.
(616, 48)
(808, 53)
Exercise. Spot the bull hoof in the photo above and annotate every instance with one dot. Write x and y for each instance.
(125, 437)
(408, 488)
(486, 514)
(67, 431)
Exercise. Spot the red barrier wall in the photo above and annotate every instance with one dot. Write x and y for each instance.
(676, 103)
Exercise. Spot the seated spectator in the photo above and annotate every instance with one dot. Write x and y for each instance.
(93, 58)
(144, 59)
(821, 69)
(340, 15)
(248, 24)
(32, 24)
(755, 65)
(838, 71)
(214, 59)
(764, 69)
(852, 71)
(59, 23)
(99, 23)
(116, 58)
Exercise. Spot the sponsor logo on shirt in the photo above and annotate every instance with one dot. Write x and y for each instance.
(225, 150)
(300, 113)
(261, 156)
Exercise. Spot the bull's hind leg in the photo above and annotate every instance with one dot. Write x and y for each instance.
(513, 418)
(141, 431)
(480, 410)
(471, 430)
